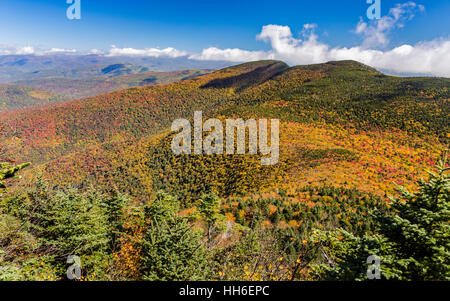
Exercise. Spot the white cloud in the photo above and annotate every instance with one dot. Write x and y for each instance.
(96, 51)
(152, 52)
(9, 49)
(428, 57)
(25, 50)
(286, 47)
(375, 33)
(232, 55)
(57, 50)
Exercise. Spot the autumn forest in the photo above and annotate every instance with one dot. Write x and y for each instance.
(87, 170)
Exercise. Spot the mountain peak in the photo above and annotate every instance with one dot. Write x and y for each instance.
(352, 64)
(244, 75)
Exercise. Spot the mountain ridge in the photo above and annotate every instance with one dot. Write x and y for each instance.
(13, 97)
(336, 118)
(77, 88)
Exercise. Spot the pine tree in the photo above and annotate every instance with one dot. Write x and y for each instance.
(114, 205)
(420, 229)
(412, 239)
(209, 207)
(172, 250)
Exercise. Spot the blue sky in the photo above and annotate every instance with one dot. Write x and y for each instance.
(414, 34)
(195, 24)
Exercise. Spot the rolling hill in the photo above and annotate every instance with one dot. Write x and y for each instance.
(105, 181)
(343, 124)
(39, 92)
(19, 67)
(75, 88)
(14, 97)
(85, 72)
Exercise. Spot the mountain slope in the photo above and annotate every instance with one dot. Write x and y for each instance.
(14, 97)
(18, 67)
(342, 124)
(101, 70)
(75, 88)
(46, 133)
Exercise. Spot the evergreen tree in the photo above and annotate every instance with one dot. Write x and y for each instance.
(67, 223)
(114, 206)
(172, 250)
(209, 207)
(412, 240)
(419, 228)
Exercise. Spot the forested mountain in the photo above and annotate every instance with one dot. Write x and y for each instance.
(17, 97)
(25, 67)
(39, 92)
(112, 80)
(347, 134)
(325, 100)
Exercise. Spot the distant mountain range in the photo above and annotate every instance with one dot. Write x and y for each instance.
(75, 88)
(35, 80)
(18, 97)
(20, 67)
(38, 92)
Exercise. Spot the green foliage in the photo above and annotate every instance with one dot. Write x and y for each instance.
(348, 92)
(263, 71)
(323, 207)
(255, 256)
(302, 233)
(190, 177)
(419, 228)
(67, 222)
(412, 239)
(328, 235)
(209, 207)
(48, 225)
(345, 255)
(7, 171)
(172, 249)
(37, 268)
(76, 88)
(114, 208)
(14, 97)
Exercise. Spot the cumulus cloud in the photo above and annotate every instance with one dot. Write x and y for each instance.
(427, 57)
(59, 50)
(8, 49)
(152, 52)
(231, 55)
(27, 50)
(431, 57)
(96, 51)
(286, 47)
